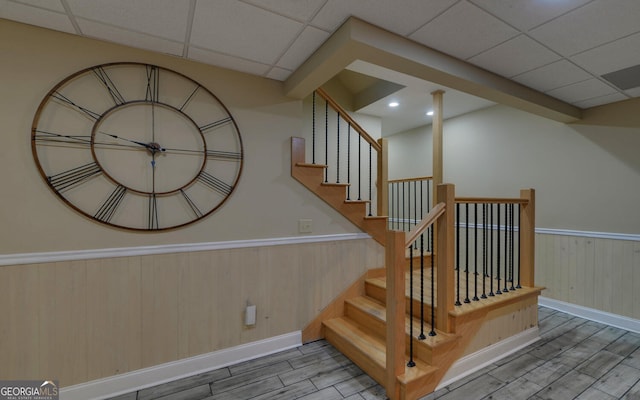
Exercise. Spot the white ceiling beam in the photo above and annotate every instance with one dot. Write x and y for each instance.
(358, 40)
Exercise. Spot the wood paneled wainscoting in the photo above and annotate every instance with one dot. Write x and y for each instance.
(83, 318)
(599, 271)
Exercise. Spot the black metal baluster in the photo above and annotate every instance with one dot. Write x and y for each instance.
(313, 130)
(490, 264)
(458, 255)
(466, 243)
(511, 265)
(498, 246)
(338, 148)
(475, 252)
(348, 161)
(370, 196)
(485, 254)
(506, 249)
(422, 336)
(397, 203)
(433, 286)
(519, 248)
(359, 167)
(411, 363)
(415, 203)
(403, 208)
(326, 141)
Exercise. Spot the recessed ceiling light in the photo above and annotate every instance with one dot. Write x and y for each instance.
(394, 104)
(429, 113)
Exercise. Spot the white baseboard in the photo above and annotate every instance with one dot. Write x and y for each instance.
(619, 321)
(158, 374)
(475, 361)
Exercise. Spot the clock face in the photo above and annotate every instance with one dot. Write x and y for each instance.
(137, 146)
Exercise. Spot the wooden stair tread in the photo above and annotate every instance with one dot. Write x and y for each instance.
(496, 300)
(311, 165)
(369, 350)
(334, 184)
(359, 336)
(378, 310)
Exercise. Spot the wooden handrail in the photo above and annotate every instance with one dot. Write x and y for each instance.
(426, 222)
(419, 178)
(343, 113)
(493, 200)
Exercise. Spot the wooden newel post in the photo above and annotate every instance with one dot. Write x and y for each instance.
(436, 126)
(527, 237)
(383, 178)
(445, 254)
(394, 257)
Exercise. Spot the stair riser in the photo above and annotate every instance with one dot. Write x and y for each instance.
(375, 324)
(360, 358)
(380, 294)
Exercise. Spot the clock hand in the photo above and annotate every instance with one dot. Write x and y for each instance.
(217, 154)
(152, 147)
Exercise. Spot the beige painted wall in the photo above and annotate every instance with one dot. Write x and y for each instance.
(267, 202)
(583, 175)
(585, 178)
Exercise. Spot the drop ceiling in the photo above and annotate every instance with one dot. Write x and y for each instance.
(558, 47)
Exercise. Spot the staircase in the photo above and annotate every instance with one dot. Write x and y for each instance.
(361, 333)
(371, 323)
(312, 176)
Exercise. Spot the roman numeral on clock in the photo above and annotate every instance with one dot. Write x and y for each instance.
(92, 115)
(214, 183)
(109, 207)
(74, 176)
(103, 77)
(153, 83)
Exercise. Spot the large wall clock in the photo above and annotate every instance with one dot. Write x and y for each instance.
(137, 146)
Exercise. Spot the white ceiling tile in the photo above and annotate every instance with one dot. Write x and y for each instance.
(35, 16)
(223, 26)
(481, 31)
(598, 101)
(310, 39)
(162, 18)
(515, 56)
(634, 92)
(552, 76)
(399, 17)
(527, 14)
(226, 61)
(596, 23)
(128, 38)
(611, 57)
(581, 91)
(53, 5)
(301, 10)
(279, 74)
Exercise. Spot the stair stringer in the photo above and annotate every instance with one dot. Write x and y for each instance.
(312, 176)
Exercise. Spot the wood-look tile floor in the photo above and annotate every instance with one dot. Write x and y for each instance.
(575, 359)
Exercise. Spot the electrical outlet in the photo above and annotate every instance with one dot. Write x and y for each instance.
(304, 225)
